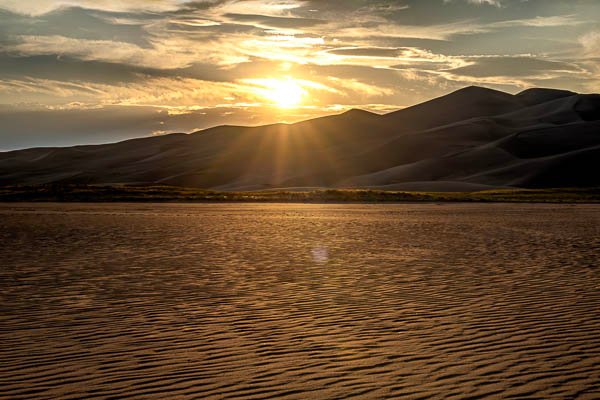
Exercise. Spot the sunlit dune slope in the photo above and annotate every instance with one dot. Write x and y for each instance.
(471, 139)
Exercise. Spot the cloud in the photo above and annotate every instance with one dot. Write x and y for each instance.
(495, 3)
(367, 51)
(272, 8)
(100, 50)
(40, 7)
(275, 22)
(73, 23)
(517, 67)
(488, 2)
(357, 86)
(194, 57)
(591, 43)
(392, 30)
(541, 22)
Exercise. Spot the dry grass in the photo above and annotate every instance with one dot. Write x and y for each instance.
(85, 193)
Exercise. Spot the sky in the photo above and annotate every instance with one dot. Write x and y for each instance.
(98, 71)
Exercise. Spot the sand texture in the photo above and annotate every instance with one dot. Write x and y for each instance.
(247, 301)
(471, 139)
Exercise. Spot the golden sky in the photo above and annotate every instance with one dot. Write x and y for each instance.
(163, 66)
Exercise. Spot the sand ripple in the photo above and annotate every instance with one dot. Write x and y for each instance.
(299, 301)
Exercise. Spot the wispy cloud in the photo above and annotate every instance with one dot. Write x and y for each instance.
(495, 3)
(201, 56)
(591, 43)
(39, 7)
(541, 22)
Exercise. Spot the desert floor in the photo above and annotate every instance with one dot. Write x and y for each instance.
(258, 301)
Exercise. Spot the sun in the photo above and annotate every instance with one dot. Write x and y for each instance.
(284, 93)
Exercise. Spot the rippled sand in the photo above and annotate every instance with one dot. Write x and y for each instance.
(299, 301)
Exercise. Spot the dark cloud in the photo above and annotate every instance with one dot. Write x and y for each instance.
(212, 31)
(63, 68)
(77, 23)
(200, 5)
(434, 12)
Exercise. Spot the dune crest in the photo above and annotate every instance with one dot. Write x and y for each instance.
(474, 137)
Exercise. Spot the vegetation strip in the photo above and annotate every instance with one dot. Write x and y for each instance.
(86, 193)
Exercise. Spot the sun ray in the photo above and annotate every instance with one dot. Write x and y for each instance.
(281, 92)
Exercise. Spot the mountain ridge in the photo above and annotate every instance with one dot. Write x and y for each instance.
(471, 138)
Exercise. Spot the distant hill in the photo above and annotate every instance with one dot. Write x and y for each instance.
(471, 139)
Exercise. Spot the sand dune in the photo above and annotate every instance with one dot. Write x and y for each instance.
(291, 301)
(475, 136)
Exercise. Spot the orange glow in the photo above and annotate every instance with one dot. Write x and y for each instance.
(283, 93)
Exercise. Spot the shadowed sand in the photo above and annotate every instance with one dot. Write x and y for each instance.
(247, 301)
(472, 139)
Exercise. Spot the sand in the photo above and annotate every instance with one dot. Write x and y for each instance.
(246, 301)
(474, 137)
